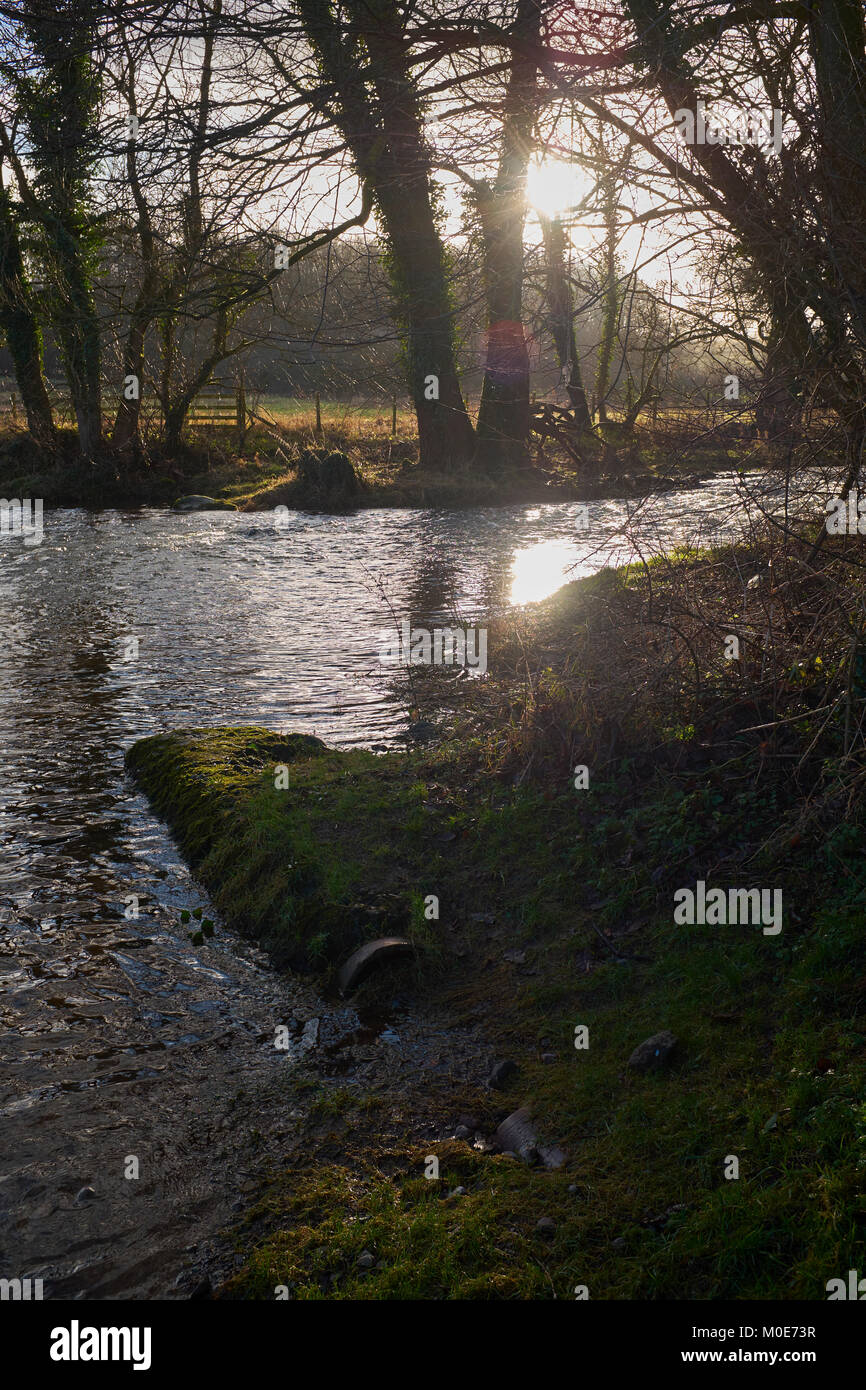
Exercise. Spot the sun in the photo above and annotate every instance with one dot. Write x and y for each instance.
(553, 186)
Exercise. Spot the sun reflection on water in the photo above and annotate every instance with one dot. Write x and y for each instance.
(539, 570)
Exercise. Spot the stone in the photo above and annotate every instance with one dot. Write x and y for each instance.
(197, 503)
(553, 1157)
(374, 953)
(328, 477)
(545, 1227)
(501, 1074)
(548, 1057)
(87, 1194)
(461, 1132)
(653, 1052)
(517, 1136)
(365, 1260)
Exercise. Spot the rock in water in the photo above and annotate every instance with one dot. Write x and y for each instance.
(653, 1053)
(328, 478)
(195, 503)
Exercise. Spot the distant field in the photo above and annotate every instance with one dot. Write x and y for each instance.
(295, 412)
(371, 417)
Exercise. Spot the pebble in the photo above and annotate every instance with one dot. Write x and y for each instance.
(87, 1194)
(461, 1132)
(365, 1260)
(546, 1227)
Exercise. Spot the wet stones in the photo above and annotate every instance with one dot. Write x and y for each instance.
(198, 503)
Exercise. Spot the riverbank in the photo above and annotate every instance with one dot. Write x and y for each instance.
(266, 473)
(555, 914)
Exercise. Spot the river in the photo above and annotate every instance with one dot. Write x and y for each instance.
(120, 1040)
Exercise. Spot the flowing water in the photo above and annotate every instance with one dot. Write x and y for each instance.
(121, 1041)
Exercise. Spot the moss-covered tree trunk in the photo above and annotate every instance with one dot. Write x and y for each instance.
(20, 327)
(373, 101)
(59, 101)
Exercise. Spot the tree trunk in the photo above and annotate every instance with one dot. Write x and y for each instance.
(77, 327)
(777, 408)
(177, 409)
(375, 105)
(62, 94)
(503, 416)
(21, 330)
(837, 40)
(124, 436)
(610, 305)
(561, 307)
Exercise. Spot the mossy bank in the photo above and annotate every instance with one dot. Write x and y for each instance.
(555, 911)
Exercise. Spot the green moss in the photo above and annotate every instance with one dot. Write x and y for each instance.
(286, 864)
(653, 1215)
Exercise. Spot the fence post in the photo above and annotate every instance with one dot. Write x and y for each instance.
(393, 416)
(241, 411)
(319, 430)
